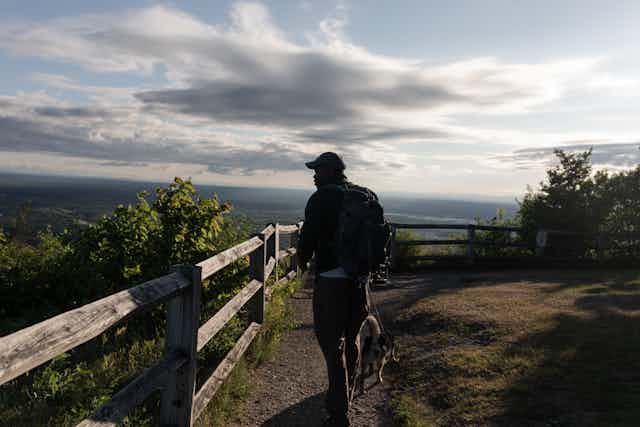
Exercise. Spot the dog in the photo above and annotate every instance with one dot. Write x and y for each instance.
(376, 349)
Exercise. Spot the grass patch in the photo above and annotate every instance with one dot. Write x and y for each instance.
(555, 348)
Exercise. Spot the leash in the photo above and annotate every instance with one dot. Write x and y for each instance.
(375, 311)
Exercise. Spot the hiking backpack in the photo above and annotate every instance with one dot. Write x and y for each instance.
(362, 234)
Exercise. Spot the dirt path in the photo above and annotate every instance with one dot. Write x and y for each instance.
(290, 389)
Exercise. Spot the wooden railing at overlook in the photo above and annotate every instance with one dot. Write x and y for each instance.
(175, 374)
(601, 241)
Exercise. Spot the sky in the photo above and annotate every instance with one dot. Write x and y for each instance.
(428, 97)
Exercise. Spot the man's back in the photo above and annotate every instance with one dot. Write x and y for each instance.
(319, 230)
(322, 218)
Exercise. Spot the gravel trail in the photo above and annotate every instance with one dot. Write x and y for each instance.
(289, 389)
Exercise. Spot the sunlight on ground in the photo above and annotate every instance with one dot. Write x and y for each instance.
(522, 348)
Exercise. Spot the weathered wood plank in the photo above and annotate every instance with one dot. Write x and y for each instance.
(285, 229)
(393, 248)
(497, 228)
(432, 226)
(209, 388)
(291, 275)
(224, 258)
(437, 257)
(503, 244)
(431, 242)
(295, 238)
(276, 249)
(471, 238)
(183, 315)
(268, 231)
(285, 253)
(457, 227)
(257, 261)
(134, 393)
(461, 242)
(32, 346)
(268, 269)
(218, 320)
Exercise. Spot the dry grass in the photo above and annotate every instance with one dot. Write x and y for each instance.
(553, 348)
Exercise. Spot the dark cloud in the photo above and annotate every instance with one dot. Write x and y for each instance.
(32, 136)
(228, 102)
(124, 164)
(618, 154)
(306, 90)
(314, 95)
(74, 112)
(347, 135)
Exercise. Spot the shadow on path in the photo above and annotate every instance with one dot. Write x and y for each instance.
(307, 412)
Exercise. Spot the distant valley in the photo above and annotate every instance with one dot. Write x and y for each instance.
(61, 202)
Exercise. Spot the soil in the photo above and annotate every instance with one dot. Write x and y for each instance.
(289, 389)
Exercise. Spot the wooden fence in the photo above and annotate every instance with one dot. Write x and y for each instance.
(181, 404)
(601, 242)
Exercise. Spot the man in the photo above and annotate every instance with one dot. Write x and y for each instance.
(339, 301)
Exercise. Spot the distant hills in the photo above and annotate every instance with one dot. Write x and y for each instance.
(60, 201)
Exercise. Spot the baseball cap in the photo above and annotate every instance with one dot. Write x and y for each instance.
(327, 159)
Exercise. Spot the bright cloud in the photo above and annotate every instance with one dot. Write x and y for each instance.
(242, 99)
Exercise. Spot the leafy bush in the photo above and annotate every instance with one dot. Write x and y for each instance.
(575, 199)
(404, 252)
(498, 238)
(133, 244)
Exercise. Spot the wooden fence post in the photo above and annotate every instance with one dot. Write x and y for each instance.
(270, 247)
(276, 251)
(257, 261)
(394, 249)
(471, 237)
(541, 242)
(295, 236)
(183, 317)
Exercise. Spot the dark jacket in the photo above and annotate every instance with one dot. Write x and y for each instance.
(320, 225)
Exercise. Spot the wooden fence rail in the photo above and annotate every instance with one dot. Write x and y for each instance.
(601, 241)
(174, 374)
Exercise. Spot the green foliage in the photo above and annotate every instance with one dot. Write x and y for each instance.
(575, 199)
(133, 244)
(565, 201)
(142, 241)
(28, 280)
(404, 252)
(23, 227)
(499, 238)
(622, 192)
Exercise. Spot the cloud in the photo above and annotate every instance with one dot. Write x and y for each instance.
(38, 136)
(604, 155)
(240, 98)
(76, 112)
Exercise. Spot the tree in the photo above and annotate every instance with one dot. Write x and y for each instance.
(570, 200)
(623, 219)
(592, 204)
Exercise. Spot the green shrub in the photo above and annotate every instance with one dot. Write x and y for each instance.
(133, 244)
(574, 199)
